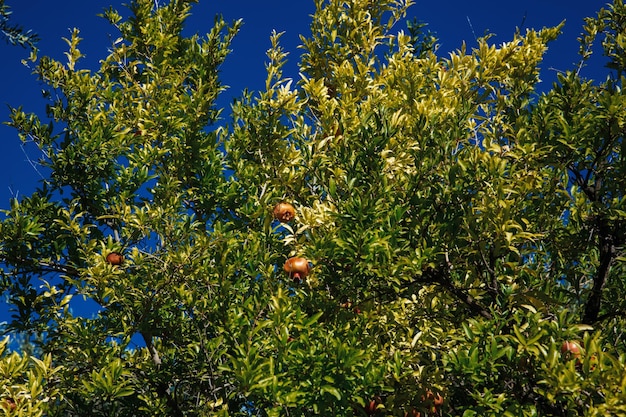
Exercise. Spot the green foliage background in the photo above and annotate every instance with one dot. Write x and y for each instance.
(461, 226)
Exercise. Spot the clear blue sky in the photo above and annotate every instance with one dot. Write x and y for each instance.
(453, 21)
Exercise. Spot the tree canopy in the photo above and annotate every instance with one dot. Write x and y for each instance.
(395, 233)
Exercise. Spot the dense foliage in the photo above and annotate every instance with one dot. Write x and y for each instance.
(461, 226)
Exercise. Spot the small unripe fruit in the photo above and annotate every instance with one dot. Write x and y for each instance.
(284, 212)
(115, 258)
(297, 268)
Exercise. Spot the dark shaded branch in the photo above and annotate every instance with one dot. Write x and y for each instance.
(442, 277)
(607, 253)
(153, 352)
(437, 276)
(612, 314)
(56, 267)
(583, 184)
(41, 267)
(162, 388)
(490, 270)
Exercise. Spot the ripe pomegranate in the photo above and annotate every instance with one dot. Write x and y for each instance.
(115, 258)
(348, 305)
(432, 401)
(570, 350)
(10, 403)
(297, 268)
(284, 212)
(371, 407)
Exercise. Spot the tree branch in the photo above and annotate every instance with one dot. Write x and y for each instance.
(607, 252)
(162, 388)
(442, 277)
(153, 352)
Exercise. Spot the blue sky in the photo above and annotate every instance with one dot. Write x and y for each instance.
(453, 21)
